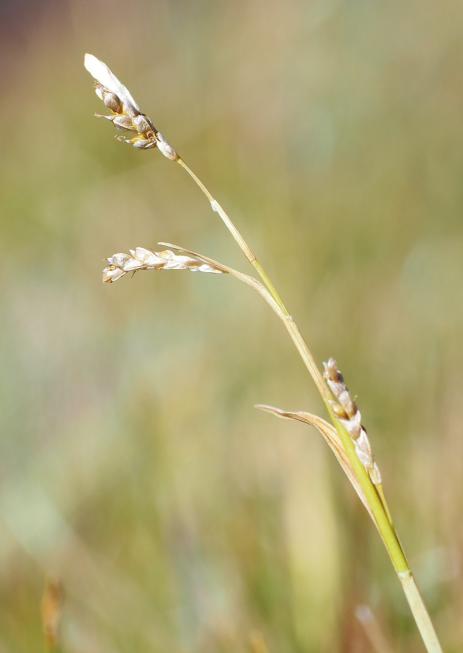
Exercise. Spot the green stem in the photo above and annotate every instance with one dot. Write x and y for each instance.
(375, 500)
(242, 244)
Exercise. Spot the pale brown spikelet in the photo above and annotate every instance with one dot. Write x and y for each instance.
(144, 259)
(346, 410)
(51, 611)
(125, 112)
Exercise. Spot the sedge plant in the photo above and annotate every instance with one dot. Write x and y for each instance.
(343, 431)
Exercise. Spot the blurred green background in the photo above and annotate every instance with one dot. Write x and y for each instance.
(134, 467)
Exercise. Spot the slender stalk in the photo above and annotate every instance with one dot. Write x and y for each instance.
(376, 501)
(418, 608)
(381, 517)
(242, 244)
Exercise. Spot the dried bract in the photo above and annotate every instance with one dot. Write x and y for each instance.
(144, 259)
(349, 415)
(125, 112)
(331, 437)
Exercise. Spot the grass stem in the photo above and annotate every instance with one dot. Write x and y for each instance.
(242, 244)
(376, 501)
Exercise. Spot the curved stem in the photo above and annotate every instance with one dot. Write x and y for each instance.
(376, 501)
(242, 244)
(381, 517)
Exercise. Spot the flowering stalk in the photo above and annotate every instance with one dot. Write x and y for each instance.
(347, 437)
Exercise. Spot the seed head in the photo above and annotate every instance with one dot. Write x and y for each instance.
(125, 112)
(144, 259)
(346, 410)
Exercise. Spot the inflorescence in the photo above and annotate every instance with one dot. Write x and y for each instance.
(144, 259)
(347, 412)
(125, 112)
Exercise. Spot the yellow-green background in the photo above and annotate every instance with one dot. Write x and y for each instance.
(133, 465)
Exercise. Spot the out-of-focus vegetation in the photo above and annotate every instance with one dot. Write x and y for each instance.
(134, 467)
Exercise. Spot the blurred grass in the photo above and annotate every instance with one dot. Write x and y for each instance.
(134, 466)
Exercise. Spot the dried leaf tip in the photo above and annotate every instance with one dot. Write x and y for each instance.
(330, 436)
(144, 259)
(346, 410)
(125, 113)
